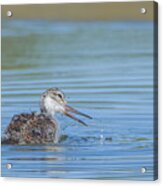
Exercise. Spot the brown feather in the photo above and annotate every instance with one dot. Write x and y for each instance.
(31, 129)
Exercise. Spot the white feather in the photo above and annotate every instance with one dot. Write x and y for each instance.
(52, 106)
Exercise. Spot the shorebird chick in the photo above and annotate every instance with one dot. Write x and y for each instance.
(41, 128)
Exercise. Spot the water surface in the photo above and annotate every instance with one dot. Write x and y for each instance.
(106, 71)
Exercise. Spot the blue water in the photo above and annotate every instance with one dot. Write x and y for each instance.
(105, 70)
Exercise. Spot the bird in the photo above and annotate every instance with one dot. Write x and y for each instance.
(41, 127)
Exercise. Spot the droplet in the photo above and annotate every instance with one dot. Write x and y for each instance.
(101, 139)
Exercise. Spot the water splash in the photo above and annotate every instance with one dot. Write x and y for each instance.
(102, 138)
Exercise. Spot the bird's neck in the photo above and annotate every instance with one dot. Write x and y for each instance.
(51, 115)
(47, 108)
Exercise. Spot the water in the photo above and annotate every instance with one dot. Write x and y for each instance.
(105, 70)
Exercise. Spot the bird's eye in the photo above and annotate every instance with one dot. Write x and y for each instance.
(60, 96)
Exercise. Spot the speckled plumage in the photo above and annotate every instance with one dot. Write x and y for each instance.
(31, 128)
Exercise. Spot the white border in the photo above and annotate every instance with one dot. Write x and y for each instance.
(53, 182)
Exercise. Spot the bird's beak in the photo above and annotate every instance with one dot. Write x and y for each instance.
(69, 110)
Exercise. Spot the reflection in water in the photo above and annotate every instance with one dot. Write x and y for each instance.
(105, 69)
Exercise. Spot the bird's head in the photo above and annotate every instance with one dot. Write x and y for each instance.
(53, 101)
